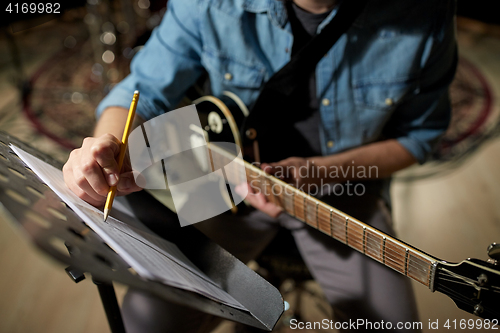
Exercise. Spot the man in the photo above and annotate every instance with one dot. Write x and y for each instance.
(378, 98)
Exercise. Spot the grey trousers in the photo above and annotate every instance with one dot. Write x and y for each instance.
(356, 286)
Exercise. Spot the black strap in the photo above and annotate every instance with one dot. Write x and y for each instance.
(272, 103)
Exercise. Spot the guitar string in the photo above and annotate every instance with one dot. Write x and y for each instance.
(450, 292)
(465, 278)
(454, 281)
(459, 297)
(446, 271)
(455, 295)
(373, 247)
(410, 267)
(396, 257)
(390, 254)
(460, 279)
(443, 271)
(414, 261)
(419, 264)
(268, 182)
(453, 291)
(301, 208)
(414, 258)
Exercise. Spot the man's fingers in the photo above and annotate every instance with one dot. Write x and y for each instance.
(259, 201)
(82, 188)
(84, 196)
(243, 190)
(283, 169)
(272, 169)
(95, 177)
(127, 164)
(127, 183)
(290, 170)
(105, 151)
(266, 167)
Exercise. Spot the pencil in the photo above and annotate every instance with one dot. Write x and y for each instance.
(123, 149)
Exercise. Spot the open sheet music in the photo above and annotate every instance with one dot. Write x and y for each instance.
(152, 257)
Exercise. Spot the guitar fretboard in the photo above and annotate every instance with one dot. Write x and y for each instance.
(377, 245)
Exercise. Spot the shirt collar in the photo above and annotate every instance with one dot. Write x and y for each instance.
(277, 12)
(256, 6)
(358, 22)
(275, 8)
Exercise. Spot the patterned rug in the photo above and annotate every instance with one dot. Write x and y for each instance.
(474, 118)
(62, 95)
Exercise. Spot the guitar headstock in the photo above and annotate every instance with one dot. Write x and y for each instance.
(474, 286)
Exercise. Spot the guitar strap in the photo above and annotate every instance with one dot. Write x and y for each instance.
(275, 102)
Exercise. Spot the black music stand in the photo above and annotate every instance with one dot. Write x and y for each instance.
(59, 232)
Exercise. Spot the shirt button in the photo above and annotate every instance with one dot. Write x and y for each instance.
(330, 144)
(228, 76)
(325, 102)
(389, 101)
(287, 50)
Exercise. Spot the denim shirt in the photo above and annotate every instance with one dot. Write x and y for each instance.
(386, 77)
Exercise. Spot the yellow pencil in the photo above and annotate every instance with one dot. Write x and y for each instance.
(123, 149)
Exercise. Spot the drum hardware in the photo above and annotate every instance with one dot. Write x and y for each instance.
(494, 253)
(251, 133)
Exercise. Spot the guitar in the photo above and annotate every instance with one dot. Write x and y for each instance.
(474, 285)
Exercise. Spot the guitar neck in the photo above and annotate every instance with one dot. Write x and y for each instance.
(377, 245)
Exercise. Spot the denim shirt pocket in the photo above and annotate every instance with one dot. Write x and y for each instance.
(376, 101)
(237, 76)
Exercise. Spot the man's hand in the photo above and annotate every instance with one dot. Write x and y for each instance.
(296, 171)
(258, 200)
(381, 159)
(93, 168)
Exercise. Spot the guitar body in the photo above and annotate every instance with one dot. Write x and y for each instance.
(222, 118)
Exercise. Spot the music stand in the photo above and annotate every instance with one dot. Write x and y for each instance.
(58, 231)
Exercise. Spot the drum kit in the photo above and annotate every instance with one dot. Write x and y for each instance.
(118, 29)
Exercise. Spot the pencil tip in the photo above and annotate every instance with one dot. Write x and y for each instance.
(106, 213)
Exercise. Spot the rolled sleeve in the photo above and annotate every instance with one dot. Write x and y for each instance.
(419, 131)
(422, 119)
(166, 67)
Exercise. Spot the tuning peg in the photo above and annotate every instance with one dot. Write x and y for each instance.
(494, 252)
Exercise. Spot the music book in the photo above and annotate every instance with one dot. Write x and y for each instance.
(151, 256)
